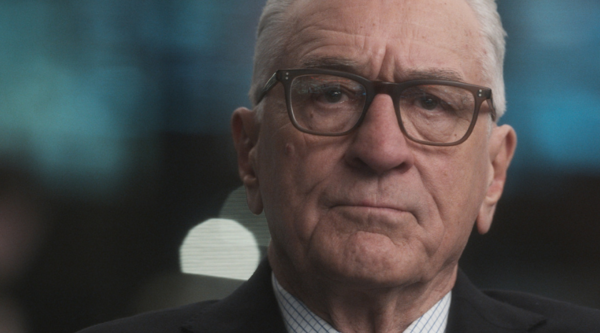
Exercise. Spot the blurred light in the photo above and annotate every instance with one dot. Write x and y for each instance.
(220, 248)
(552, 70)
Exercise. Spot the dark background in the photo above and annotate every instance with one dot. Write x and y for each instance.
(114, 137)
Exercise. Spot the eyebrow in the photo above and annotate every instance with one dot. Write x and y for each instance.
(335, 63)
(351, 66)
(433, 74)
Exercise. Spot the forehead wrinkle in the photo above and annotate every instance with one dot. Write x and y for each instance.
(352, 66)
(305, 18)
(358, 58)
(308, 41)
(467, 36)
(319, 13)
(308, 24)
(373, 61)
(332, 62)
(398, 63)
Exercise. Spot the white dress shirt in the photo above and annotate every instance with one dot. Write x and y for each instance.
(299, 319)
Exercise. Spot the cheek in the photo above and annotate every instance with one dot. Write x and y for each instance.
(455, 180)
(295, 170)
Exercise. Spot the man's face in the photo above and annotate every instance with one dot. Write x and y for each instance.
(371, 206)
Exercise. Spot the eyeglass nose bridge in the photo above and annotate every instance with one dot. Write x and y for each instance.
(378, 88)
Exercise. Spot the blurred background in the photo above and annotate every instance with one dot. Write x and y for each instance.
(114, 142)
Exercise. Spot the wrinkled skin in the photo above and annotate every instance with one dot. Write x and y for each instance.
(367, 228)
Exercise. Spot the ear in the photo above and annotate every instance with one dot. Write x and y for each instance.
(503, 142)
(245, 130)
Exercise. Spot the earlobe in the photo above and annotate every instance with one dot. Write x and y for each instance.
(245, 130)
(503, 142)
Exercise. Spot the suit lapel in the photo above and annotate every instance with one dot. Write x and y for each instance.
(473, 311)
(251, 308)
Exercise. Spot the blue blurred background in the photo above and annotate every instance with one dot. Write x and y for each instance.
(114, 130)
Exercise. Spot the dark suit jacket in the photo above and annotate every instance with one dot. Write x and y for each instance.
(253, 308)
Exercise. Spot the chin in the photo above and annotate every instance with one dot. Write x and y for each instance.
(371, 261)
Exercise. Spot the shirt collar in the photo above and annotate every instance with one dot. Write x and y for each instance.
(300, 319)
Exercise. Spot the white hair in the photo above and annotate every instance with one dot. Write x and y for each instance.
(272, 34)
(494, 47)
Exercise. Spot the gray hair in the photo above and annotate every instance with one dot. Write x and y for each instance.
(270, 45)
(271, 37)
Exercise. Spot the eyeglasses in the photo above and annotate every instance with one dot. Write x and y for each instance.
(334, 103)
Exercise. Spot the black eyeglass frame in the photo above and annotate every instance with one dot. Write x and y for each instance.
(374, 88)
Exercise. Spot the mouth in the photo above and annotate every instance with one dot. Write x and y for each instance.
(369, 212)
(370, 206)
(369, 218)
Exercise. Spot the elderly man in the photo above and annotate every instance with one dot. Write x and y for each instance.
(373, 150)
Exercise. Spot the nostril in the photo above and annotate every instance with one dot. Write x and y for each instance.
(376, 164)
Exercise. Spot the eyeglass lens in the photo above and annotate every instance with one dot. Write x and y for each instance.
(329, 104)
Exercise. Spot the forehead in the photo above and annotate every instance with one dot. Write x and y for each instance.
(385, 39)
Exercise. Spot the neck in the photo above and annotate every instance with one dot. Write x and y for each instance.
(355, 307)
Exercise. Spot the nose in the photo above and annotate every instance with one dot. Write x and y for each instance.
(378, 145)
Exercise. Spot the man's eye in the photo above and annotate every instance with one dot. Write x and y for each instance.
(328, 95)
(332, 96)
(428, 102)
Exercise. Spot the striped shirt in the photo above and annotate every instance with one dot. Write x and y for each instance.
(299, 319)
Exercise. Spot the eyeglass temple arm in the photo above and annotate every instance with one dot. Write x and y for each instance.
(272, 81)
(490, 101)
